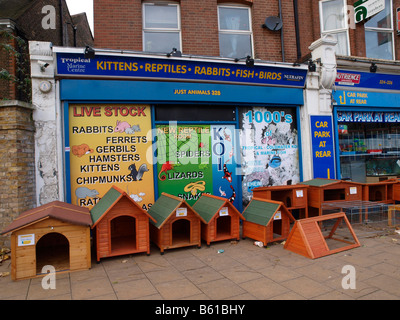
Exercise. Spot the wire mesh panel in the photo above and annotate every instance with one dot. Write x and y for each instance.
(359, 211)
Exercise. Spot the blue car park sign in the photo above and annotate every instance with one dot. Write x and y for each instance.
(322, 147)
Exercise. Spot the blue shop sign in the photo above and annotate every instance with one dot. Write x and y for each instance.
(356, 79)
(322, 147)
(129, 67)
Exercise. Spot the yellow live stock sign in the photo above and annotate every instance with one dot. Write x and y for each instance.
(108, 146)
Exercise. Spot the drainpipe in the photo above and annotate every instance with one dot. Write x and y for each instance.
(282, 41)
(296, 24)
(61, 23)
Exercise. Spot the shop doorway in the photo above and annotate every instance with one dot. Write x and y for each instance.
(123, 234)
(52, 249)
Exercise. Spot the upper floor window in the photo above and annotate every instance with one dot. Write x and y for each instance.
(161, 27)
(379, 34)
(333, 20)
(235, 34)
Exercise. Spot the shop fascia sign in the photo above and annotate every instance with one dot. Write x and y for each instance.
(364, 9)
(163, 68)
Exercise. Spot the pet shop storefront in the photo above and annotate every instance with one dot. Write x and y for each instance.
(180, 125)
(367, 121)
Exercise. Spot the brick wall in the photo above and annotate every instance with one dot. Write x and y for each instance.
(118, 25)
(17, 162)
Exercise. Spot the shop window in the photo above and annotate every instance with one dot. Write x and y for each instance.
(183, 112)
(161, 27)
(235, 33)
(379, 34)
(369, 152)
(333, 20)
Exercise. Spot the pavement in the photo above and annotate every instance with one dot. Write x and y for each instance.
(243, 271)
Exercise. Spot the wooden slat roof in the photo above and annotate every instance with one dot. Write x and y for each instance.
(58, 210)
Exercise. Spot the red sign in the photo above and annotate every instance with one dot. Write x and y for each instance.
(398, 20)
(348, 78)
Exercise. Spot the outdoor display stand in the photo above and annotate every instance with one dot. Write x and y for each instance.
(308, 239)
(222, 219)
(396, 191)
(175, 223)
(294, 197)
(380, 191)
(326, 191)
(122, 226)
(266, 221)
(55, 234)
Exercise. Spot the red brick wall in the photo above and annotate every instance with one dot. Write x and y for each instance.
(118, 25)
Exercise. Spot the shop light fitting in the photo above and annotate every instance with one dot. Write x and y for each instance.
(174, 53)
(312, 66)
(89, 53)
(249, 61)
(373, 67)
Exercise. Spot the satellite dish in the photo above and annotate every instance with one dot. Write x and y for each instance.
(273, 23)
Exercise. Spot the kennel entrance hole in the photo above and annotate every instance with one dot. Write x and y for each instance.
(52, 249)
(123, 234)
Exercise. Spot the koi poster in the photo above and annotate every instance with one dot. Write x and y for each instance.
(196, 159)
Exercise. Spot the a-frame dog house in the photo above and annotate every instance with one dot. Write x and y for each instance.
(221, 216)
(308, 239)
(122, 226)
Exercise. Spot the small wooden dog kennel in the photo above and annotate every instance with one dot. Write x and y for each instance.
(309, 238)
(122, 226)
(55, 234)
(294, 197)
(266, 221)
(221, 217)
(177, 223)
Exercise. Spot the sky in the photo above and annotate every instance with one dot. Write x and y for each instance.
(79, 6)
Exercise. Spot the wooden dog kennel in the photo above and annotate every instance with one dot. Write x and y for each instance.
(308, 239)
(266, 221)
(330, 191)
(56, 234)
(382, 191)
(122, 226)
(176, 224)
(221, 217)
(294, 197)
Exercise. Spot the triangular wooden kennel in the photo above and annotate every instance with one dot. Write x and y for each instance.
(306, 237)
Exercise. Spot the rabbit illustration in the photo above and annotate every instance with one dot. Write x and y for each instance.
(121, 126)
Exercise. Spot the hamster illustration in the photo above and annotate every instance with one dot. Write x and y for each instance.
(133, 129)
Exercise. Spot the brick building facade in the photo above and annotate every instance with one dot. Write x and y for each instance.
(20, 22)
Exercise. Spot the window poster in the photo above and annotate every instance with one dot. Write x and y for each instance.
(269, 148)
(195, 159)
(107, 146)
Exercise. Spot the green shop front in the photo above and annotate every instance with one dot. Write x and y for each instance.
(181, 125)
(367, 122)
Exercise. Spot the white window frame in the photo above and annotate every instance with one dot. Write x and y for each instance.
(386, 30)
(345, 28)
(158, 30)
(241, 32)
